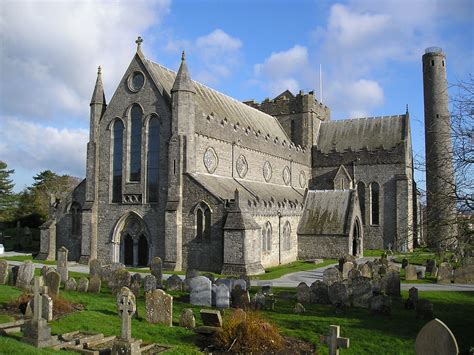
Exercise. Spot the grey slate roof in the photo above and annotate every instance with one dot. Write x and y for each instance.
(361, 133)
(222, 106)
(326, 212)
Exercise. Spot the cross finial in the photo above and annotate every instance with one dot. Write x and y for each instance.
(139, 42)
(183, 56)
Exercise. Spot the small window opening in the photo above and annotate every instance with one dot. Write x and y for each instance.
(437, 116)
(443, 63)
(432, 63)
(174, 167)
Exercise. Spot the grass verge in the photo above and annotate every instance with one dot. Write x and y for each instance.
(300, 265)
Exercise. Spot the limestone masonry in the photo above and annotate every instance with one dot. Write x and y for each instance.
(180, 171)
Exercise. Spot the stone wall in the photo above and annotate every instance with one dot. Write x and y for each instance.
(311, 247)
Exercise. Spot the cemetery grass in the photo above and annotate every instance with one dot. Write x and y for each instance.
(373, 252)
(301, 265)
(24, 258)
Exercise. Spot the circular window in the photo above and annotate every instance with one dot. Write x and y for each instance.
(136, 81)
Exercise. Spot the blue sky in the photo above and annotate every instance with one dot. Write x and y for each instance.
(370, 52)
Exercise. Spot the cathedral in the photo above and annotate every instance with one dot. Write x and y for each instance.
(178, 170)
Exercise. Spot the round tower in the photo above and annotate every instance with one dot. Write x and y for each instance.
(439, 151)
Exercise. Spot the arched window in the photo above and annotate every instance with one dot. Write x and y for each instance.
(135, 143)
(287, 236)
(374, 203)
(76, 219)
(117, 161)
(361, 193)
(267, 237)
(153, 159)
(203, 221)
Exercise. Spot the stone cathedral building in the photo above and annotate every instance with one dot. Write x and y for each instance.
(178, 170)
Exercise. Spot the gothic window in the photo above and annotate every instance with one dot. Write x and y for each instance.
(117, 161)
(153, 159)
(75, 219)
(374, 203)
(135, 143)
(267, 237)
(287, 236)
(203, 222)
(361, 193)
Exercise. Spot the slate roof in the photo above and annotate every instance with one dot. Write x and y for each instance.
(222, 106)
(326, 212)
(370, 133)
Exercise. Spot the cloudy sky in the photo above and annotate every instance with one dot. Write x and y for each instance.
(370, 53)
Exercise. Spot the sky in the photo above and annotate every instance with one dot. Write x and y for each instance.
(369, 51)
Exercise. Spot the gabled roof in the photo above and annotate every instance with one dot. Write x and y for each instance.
(212, 102)
(369, 133)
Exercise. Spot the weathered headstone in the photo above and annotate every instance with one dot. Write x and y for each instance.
(437, 339)
(259, 300)
(412, 299)
(338, 294)
(464, 274)
(159, 307)
(149, 283)
(353, 274)
(83, 284)
(3, 272)
(70, 285)
(365, 271)
(390, 284)
(200, 291)
(120, 278)
(126, 306)
(135, 288)
(222, 296)
(136, 277)
(187, 319)
(331, 275)
(334, 341)
(246, 278)
(380, 304)
(25, 275)
(303, 293)
(53, 281)
(361, 292)
(156, 268)
(62, 263)
(346, 267)
(174, 283)
(240, 298)
(95, 284)
(410, 273)
(434, 272)
(393, 268)
(47, 304)
(445, 273)
(299, 308)
(242, 283)
(95, 268)
(211, 317)
(430, 264)
(319, 292)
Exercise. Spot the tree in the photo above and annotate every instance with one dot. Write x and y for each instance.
(7, 196)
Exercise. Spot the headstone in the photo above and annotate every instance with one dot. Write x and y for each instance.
(338, 294)
(434, 272)
(70, 285)
(353, 274)
(445, 273)
(107, 271)
(47, 304)
(156, 266)
(53, 281)
(299, 308)
(430, 264)
(303, 293)
(222, 296)
(436, 338)
(62, 264)
(3, 272)
(135, 288)
(346, 267)
(200, 291)
(159, 307)
(174, 283)
(412, 299)
(246, 278)
(240, 298)
(95, 284)
(404, 263)
(187, 319)
(242, 283)
(361, 292)
(319, 292)
(44, 270)
(334, 341)
(25, 275)
(464, 274)
(120, 278)
(83, 284)
(136, 277)
(126, 306)
(211, 317)
(390, 284)
(380, 304)
(149, 283)
(95, 268)
(259, 300)
(393, 268)
(331, 275)
(424, 310)
(365, 271)
(13, 275)
(410, 273)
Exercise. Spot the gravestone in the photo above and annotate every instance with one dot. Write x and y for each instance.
(242, 283)
(319, 293)
(156, 266)
(430, 264)
(159, 307)
(137, 278)
(299, 308)
(83, 284)
(435, 338)
(226, 282)
(95, 268)
(53, 281)
(404, 263)
(331, 275)
(361, 292)
(47, 304)
(338, 294)
(95, 284)
(222, 296)
(174, 283)
(424, 309)
(120, 278)
(3, 272)
(135, 288)
(70, 285)
(365, 271)
(13, 275)
(434, 272)
(246, 278)
(211, 317)
(410, 273)
(149, 283)
(390, 284)
(334, 341)
(464, 274)
(303, 293)
(346, 267)
(45, 269)
(380, 304)
(259, 300)
(393, 268)
(187, 319)
(445, 273)
(353, 274)
(412, 299)
(200, 291)
(240, 298)
(62, 263)
(126, 306)
(25, 275)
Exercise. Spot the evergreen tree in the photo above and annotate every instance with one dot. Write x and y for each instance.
(7, 196)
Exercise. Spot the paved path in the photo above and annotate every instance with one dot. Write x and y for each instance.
(293, 279)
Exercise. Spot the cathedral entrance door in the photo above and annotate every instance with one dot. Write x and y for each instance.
(142, 251)
(128, 250)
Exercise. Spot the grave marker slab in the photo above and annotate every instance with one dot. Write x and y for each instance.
(211, 317)
(83, 284)
(187, 319)
(70, 285)
(156, 268)
(149, 283)
(174, 283)
(62, 263)
(25, 275)
(435, 338)
(319, 292)
(303, 293)
(3, 272)
(410, 273)
(53, 281)
(95, 284)
(334, 341)
(222, 296)
(159, 307)
(200, 291)
(331, 275)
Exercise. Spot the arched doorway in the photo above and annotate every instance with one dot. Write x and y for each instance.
(128, 250)
(142, 251)
(356, 239)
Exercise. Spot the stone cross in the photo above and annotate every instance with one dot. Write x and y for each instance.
(127, 308)
(334, 341)
(139, 42)
(39, 291)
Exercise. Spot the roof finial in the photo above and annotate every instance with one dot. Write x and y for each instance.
(407, 108)
(183, 56)
(99, 70)
(139, 42)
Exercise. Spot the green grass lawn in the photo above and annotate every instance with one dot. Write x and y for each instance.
(374, 252)
(23, 258)
(300, 265)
